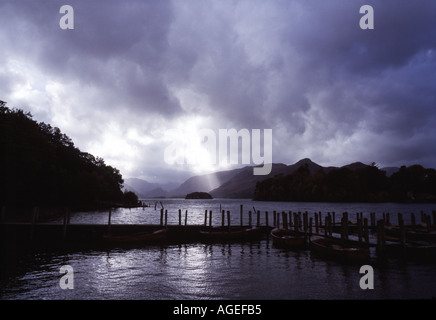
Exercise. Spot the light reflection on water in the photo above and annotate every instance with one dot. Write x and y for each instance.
(210, 271)
(196, 208)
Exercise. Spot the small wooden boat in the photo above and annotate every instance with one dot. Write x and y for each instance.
(412, 250)
(418, 233)
(139, 237)
(231, 234)
(339, 249)
(283, 238)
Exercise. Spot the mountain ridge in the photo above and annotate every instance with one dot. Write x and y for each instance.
(234, 183)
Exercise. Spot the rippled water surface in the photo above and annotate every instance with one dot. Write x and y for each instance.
(254, 270)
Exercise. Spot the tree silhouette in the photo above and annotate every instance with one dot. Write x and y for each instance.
(39, 165)
(367, 184)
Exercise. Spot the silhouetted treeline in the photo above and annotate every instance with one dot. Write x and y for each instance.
(368, 184)
(39, 165)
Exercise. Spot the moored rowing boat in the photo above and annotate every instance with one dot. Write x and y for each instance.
(284, 238)
(231, 234)
(339, 249)
(139, 237)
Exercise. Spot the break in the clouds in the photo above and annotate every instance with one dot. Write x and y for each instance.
(132, 73)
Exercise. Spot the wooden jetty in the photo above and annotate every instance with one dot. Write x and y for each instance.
(93, 234)
(363, 232)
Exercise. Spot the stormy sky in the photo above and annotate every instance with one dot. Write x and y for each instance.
(134, 77)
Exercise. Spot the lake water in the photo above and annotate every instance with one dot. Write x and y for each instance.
(194, 271)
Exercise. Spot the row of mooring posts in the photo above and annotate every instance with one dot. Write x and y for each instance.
(426, 221)
(297, 220)
(300, 221)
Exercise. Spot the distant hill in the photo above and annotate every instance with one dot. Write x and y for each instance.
(243, 185)
(145, 189)
(390, 170)
(139, 186)
(236, 183)
(206, 182)
(156, 193)
(351, 183)
(198, 195)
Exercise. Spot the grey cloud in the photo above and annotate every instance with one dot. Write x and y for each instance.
(328, 89)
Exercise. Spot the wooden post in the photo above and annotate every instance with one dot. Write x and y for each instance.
(372, 216)
(228, 219)
(325, 227)
(330, 226)
(180, 217)
(300, 220)
(343, 227)
(346, 226)
(210, 218)
(166, 217)
(402, 231)
(205, 217)
(275, 218)
(249, 218)
(295, 215)
(66, 221)
(278, 220)
(186, 217)
(290, 223)
(334, 218)
(241, 210)
(222, 218)
(258, 219)
(266, 218)
(365, 230)
(380, 235)
(32, 227)
(161, 216)
(316, 223)
(359, 229)
(305, 222)
(310, 226)
(388, 219)
(285, 220)
(109, 219)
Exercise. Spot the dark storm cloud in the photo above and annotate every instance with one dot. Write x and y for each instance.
(328, 89)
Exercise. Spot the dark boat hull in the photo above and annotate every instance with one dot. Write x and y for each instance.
(418, 234)
(283, 238)
(337, 249)
(233, 234)
(141, 237)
